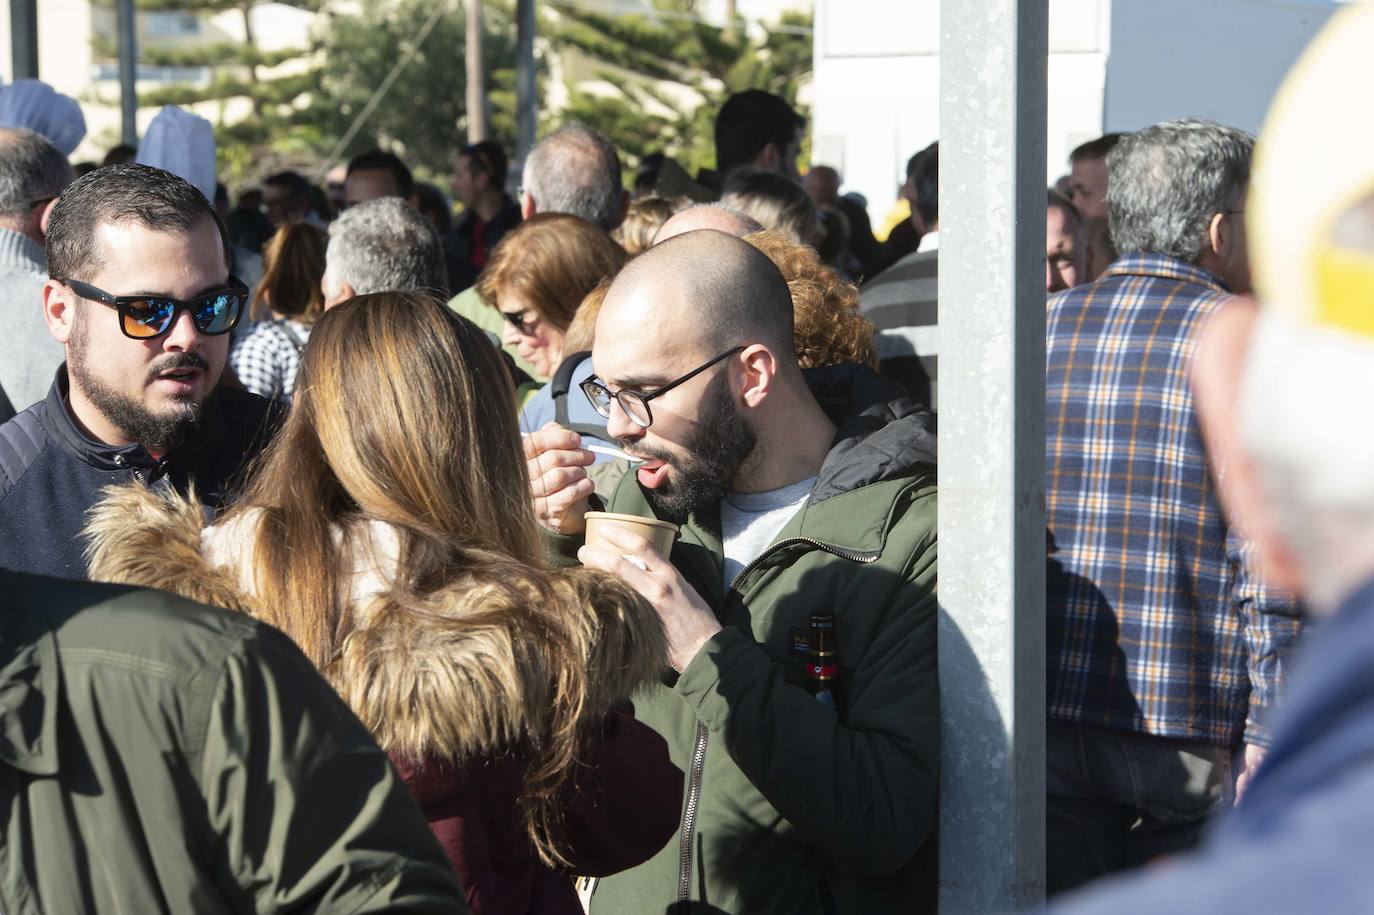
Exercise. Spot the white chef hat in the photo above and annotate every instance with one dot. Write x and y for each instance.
(184, 144)
(34, 105)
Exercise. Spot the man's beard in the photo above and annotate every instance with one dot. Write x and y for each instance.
(156, 433)
(708, 462)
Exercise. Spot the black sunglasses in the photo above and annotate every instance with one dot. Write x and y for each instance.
(144, 317)
(635, 404)
(525, 326)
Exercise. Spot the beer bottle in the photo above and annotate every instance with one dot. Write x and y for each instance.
(822, 665)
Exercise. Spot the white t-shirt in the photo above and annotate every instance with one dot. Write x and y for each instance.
(750, 521)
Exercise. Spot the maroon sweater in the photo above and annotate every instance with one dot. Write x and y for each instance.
(625, 807)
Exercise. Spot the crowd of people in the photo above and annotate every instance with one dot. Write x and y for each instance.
(324, 526)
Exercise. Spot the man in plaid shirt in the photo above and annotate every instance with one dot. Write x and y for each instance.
(1164, 649)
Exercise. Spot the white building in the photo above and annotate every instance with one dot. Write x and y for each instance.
(1114, 65)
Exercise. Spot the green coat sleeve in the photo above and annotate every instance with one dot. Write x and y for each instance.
(864, 791)
(308, 812)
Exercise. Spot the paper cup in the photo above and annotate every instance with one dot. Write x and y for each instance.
(660, 534)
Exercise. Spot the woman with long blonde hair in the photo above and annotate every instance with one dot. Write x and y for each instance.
(388, 530)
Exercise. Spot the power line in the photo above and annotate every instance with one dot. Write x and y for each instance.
(613, 8)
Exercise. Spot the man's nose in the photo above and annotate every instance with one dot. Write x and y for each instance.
(621, 427)
(183, 335)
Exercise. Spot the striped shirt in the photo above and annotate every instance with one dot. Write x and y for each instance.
(902, 304)
(1156, 621)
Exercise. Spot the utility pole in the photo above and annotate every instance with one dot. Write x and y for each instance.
(524, 82)
(477, 75)
(128, 72)
(24, 39)
(730, 32)
(992, 455)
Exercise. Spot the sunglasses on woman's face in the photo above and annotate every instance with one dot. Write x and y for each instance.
(143, 317)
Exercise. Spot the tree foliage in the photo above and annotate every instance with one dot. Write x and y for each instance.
(648, 63)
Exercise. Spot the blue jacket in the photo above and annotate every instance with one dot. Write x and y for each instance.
(51, 473)
(1300, 839)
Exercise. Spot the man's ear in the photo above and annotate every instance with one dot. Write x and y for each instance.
(59, 310)
(1220, 236)
(760, 374)
(769, 158)
(528, 205)
(44, 216)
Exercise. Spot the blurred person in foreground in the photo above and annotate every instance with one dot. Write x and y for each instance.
(382, 245)
(799, 492)
(576, 171)
(164, 757)
(418, 586)
(538, 276)
(1166, 648)
(286, 305)
(479, 184)
(1066, 245)
(33, 173)
(1281, 391)
(142, 299)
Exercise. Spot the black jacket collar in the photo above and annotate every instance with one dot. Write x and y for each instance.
(61, 427)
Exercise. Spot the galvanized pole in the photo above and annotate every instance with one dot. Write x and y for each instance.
(128, 72)
(477, 74)
(24, 39)
(525, 100)
(992, 448)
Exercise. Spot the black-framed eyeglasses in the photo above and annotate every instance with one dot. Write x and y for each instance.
(143, 317)
(635, 404)
(525, 326)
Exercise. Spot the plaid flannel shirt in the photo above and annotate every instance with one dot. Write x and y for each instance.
(1156, 619)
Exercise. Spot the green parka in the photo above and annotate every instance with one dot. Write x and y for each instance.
(791, 807)
(158, 756)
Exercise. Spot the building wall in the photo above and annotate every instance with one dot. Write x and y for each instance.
(1112, 66)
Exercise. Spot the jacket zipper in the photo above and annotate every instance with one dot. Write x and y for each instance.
(689, 816)
(689, 819)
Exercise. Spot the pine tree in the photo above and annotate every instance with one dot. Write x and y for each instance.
(648, 60)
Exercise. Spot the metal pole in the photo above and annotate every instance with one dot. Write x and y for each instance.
(524, 83)
(24, 39)
(992, 450)
(477, 75)
(128, 72)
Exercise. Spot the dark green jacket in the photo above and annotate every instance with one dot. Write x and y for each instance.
(791, 809)
(160, 756)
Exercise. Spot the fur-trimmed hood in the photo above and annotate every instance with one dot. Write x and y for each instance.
(456, 680)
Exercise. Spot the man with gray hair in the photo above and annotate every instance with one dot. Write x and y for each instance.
(33, 173)
(381, 245)
(1165, 648)
(573, 170)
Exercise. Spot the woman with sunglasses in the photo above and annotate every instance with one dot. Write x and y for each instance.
(397, 546)
(538, 276)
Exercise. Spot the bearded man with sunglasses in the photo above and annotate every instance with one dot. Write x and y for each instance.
(142, 299)
(800, 493)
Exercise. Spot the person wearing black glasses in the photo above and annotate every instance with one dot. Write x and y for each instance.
(798, 493)
(142, 299)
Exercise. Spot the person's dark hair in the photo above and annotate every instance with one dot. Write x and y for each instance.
(1056, 199)
(377, 160)
(119, 155)
(149, 196)
(1167, 181)
(1096, 149)
(293, 264)
(294, 183)
(31, 169)
(435, 207)
(749, 121)
(489, 159)
(924, 170)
